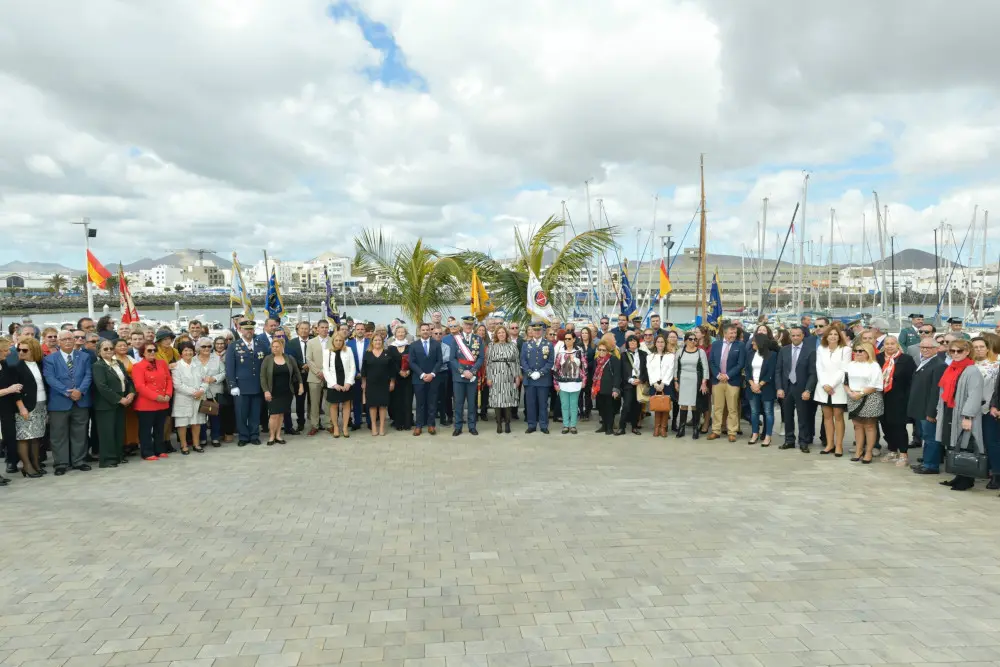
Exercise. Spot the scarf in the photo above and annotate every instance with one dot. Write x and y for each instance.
(598, 373)
(949, 381)
(888, 370)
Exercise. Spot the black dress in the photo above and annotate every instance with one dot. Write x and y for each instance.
(332, 395)
(377, 372)
(281, 393)
(401, 403)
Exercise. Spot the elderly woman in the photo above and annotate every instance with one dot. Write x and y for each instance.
(227, 410)
(189, 390)
(114, 392)
(960, 407)
(213, 372)
(155, 388)
(606, 386)
(897, 376)
(401, 401)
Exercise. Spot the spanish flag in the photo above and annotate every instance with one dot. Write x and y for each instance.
(96, 273)
(665, 287)
(481, 304)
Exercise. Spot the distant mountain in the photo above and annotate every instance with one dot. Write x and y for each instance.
(179, 258)
(912, 259)
(38, 267)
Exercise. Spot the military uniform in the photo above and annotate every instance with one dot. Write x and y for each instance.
(243, 362)
(537, 356)
(957, 334)
(467, 354)
(910, 336)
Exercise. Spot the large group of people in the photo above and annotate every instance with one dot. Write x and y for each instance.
(101, 392)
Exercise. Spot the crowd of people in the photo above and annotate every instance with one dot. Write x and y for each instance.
(102, 393)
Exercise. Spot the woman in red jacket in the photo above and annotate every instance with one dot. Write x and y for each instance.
(154, 387)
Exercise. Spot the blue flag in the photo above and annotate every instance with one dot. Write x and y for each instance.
(714, 302)
(649, 314)
(272, 302)
(330, 305)
(627, 300)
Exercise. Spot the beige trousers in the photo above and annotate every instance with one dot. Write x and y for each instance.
(724, 395)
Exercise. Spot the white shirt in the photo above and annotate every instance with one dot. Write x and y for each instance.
(862, 375)
(36, 373)
(756, 365)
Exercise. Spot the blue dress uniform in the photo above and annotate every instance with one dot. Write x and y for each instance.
(467, 354)
(537, 356)
(243, 362)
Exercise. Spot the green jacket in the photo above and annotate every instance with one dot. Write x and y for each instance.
(107, 386)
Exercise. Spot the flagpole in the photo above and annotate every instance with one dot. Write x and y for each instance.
(86, 265)
(231, 279)
(267, 281)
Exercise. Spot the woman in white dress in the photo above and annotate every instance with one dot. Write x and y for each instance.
(832, 358)
(863, 386)
(189, 389)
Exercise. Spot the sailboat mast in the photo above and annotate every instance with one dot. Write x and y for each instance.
(702, 293)
(760, 258)
(969, 297)
(982, 286)
(829, 270)
(598, 288)
(802, 253)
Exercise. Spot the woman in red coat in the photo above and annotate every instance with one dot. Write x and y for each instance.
(154, 387)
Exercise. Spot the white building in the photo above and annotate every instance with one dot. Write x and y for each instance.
(162, 276)
(30, 281)
(284, 271)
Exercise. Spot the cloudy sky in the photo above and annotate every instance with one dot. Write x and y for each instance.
(292, 125)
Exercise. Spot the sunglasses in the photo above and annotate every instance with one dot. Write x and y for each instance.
(78, 337)
(955, 350)
(23, 349)
(925, 332)
(149, 351)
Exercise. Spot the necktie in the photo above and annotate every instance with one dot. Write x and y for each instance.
(427, 349)
(795, 360)
(69, 361)
(725, 355)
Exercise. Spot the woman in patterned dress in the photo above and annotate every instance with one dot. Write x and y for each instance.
(503, 377)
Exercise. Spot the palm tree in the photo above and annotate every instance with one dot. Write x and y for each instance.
(57, 283)
(424, 278)
(80, 282)
(508, 285)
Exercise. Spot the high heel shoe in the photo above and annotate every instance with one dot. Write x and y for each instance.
(682, 430)
(34, 475)
(506, 427)
(753, 439)
(826, 451)
(766, 442)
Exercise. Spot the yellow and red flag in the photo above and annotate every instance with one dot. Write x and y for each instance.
(481, 305)
(665, 287)
(96, 273)
(130, 314)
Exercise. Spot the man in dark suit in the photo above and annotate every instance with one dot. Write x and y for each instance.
(358, 346)
(296, 349)
(922, 404)
(725, 361)
(796, 380)
(425, 361)
(68, 376)
(243, 360)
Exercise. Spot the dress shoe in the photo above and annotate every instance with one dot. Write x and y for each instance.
(313, 431)
(600, 429)
(355, 427)
(242, 443)
(473, 431)
(432, 430)
(572, 429)
(107, 465)
(82, 467)
(545, 431)
(122, 461)
(12, 468)
(994, 483)
(804, 449)
(417, 431)
(280, 442)
(714, 436)
(168, 448)
(921, 470)
(787, 445)
(60, 472)
(732, 438)
(456, 432)
(151, 458)
(565, 430)
(506, 427)
(255, 441)
(531, 429)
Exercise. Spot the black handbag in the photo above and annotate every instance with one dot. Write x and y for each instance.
(967, 461)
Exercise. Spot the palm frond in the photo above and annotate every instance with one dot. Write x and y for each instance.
(576, 256)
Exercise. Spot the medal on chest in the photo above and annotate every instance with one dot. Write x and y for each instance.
(545, 351)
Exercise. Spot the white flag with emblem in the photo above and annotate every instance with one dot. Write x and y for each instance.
(538, 303)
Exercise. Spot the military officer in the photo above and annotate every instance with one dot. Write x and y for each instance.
(955, 326)
(537, 357)
(465, 360)
(911, 334)
(243, 362)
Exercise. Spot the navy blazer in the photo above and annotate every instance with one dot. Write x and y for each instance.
(805, 370)
(422, 364)
(734, 362)
(769, 389)
(295, 349)
(358, 351)
(60, 380)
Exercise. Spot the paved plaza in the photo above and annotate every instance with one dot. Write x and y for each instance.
(515, 551)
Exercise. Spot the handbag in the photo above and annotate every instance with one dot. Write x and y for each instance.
(967, 461)
(209, 407)
(660, 403)
(642, 392)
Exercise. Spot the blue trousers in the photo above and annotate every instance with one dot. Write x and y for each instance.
(356, 407)
(536, 405)
(932, 448)
(248, 408)
(465, 401)
(757, 406)
(425, 394)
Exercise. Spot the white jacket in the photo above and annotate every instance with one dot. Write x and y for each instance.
(187, 380)
(660, 368)
(330, 370)
(830, 368)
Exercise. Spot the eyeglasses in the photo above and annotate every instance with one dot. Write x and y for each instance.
(24, 350)
(78, 337)
(649, 335)
(956, 350)
(926, 332)
(149, 351)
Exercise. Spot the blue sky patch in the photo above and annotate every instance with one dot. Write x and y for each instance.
(393, 69)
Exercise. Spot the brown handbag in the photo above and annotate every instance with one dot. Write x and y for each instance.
(660, 403)
(209, 407)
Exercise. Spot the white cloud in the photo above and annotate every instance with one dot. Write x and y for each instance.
(223, 123)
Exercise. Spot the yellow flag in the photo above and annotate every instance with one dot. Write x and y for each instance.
(665, 287)
(481, 304)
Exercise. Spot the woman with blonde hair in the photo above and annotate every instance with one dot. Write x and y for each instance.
(280, 380)
(30, 402)
(339, 372)
(378, 380)
(863, 386)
